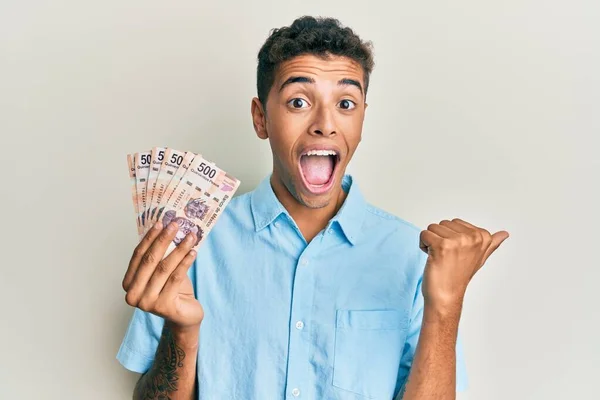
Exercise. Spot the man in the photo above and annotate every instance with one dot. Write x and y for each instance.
(303, 290)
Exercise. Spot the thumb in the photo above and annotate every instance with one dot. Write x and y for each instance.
(497, 239)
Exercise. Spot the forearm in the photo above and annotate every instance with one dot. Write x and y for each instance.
(433, 372)
(173, 373)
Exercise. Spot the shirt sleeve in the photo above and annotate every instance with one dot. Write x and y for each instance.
(412, 338)
(139, 345)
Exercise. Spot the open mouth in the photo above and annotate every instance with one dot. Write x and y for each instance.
(317, 168)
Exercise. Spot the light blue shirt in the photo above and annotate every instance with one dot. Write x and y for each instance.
(338, 318)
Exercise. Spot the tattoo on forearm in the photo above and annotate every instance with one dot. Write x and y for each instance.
(163, 378)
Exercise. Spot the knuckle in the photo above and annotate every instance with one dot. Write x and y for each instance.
(189, 259)
(148, 236)
(164, 237)
(144, 304)
(176, 278)
(447, 245)
(486, 237)
(148, 258)
(131, 299)
(475, 237)
(137, 252)
(162, 267)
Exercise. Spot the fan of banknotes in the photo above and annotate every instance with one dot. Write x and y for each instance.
(172, 185)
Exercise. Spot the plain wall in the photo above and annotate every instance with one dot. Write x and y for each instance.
(484, 110)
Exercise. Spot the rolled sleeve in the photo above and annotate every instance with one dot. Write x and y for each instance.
(139, 345)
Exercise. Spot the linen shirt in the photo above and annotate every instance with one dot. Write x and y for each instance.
(337, 318)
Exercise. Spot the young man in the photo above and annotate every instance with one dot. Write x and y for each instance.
(303, 290)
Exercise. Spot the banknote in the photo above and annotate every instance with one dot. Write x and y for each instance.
(142, 168)
(202, 194)
(188, 183)
(134, 199)
(179, 172)
(156, 159)
(171, 162)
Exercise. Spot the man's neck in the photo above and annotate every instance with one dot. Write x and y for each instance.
(310, 221)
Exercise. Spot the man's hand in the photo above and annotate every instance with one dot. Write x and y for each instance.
(162, 286)
(457, 250)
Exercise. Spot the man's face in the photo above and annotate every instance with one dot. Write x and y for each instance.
(314, 117)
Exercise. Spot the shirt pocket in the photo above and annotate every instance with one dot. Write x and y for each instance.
(367, 351)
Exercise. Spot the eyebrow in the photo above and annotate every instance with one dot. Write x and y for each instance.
(304, 79)
(346, 81)
(296, 79)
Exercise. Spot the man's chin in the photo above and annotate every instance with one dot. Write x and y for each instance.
(315, 203)
(311, 200)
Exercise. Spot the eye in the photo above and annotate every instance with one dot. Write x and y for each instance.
(347, 104)
(298, 103)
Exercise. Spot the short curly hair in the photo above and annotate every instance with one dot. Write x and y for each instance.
(310, 35)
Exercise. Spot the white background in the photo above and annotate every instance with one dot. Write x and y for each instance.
(484, 110)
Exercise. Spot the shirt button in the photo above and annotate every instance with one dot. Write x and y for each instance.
(330, 230)
(296, 392)
(304, 262)
(299, 325)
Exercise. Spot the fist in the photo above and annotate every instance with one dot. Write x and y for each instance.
(457, 250)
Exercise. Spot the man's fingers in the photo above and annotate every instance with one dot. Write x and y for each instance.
(138, 253)
(455, 226)
(428, 239)
(152, 258)
(164, 270)
(171, 287)
(442, 231)
(465, 223)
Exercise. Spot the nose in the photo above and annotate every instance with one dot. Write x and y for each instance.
(323, 123)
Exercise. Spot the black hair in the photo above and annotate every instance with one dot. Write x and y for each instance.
(310, 35)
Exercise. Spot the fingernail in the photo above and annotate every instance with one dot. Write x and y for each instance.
(158, 225)
(193, 253)
(189, 237)
(172, 227)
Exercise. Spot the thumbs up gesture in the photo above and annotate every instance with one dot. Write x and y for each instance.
(457, 250)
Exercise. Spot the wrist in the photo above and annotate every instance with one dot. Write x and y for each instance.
(185, 336)
(443, 310)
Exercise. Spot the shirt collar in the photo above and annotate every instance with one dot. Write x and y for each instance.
(351, 215)
(266, 208)
(265, 205)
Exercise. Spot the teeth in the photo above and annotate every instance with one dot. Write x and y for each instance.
(321, 153)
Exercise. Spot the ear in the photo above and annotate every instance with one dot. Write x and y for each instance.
(259, 119)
